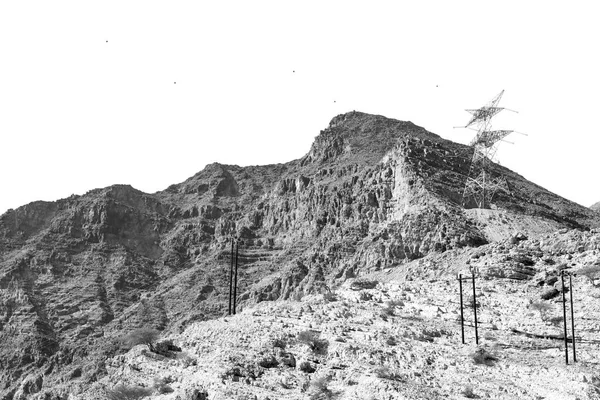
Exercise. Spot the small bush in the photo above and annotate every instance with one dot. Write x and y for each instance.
(185, 359)
(329, 297)
(482, 356)
(279, 343)
(305, 366)
(145, 336)
(387, 373)
(468, 392)
(161, 385)
(122, 392)
(319, 389)
(364, 296)
(166, 348)
(391, 341)
(556, 321)
(313, 341)
(550, 294)
(390, 307)
(542, 307)
(592, 272)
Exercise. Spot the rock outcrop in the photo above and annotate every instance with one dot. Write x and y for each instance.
(372, 193)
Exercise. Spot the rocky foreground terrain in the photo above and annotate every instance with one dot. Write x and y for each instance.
(348, 259)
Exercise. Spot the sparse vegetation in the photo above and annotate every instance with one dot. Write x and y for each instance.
(185, 359)
(391, 341)
(147, 336)
(387, 373)
(279, 342)
(329, 296)
(166, 348)
(468, 392)
(556, 320)
(592, 272)
(364, 296)
(313, 341)
(123, 392)
(161, 385)
(305, 366)
(482, 356)
(542, 307)
(319, 389)
(390, 307)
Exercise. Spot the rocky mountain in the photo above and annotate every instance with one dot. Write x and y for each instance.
(372, 194)
(595, 206)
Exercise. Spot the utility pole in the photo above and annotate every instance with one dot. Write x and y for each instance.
(562, 279)
(237, 247)
(462, 319)
(230, 276)
(572, 316)
(475, 308)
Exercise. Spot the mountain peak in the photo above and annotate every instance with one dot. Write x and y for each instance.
(357, 137)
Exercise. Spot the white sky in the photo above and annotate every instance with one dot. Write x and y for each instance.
(78, 112)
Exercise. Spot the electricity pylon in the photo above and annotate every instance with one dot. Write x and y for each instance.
(481, 185)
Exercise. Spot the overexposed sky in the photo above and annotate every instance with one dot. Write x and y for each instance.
(95, 93)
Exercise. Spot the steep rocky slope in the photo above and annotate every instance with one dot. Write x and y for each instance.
(596, 206)
(394, 334)
(371, 194)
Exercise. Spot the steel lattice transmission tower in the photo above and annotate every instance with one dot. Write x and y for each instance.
(481, 185)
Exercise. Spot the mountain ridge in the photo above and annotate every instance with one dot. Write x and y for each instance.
(371, 193)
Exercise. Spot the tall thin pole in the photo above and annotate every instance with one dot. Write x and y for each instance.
(230, 276)
(237, 248)
(562, 278)
(462, 319)
(475, 310)
(572, 316)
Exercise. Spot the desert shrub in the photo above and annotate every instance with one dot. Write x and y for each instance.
(279, 343)
(387, 373)
(305, 366)
(468, 392)
(319, 389)
(145, 336)
(313, 341)
(468, 302)
(542, 307)
(185, 359)
(556, 321)
(390, 307)
(364, 296)
(161, 385)
(391, 341)
(550, 294)
(166, 348)
(329, 296)
(122, 392)
(482, 356)
(592, 272)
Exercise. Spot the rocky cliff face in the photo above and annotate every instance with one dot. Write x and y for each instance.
(372, 193)
(596, 206)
